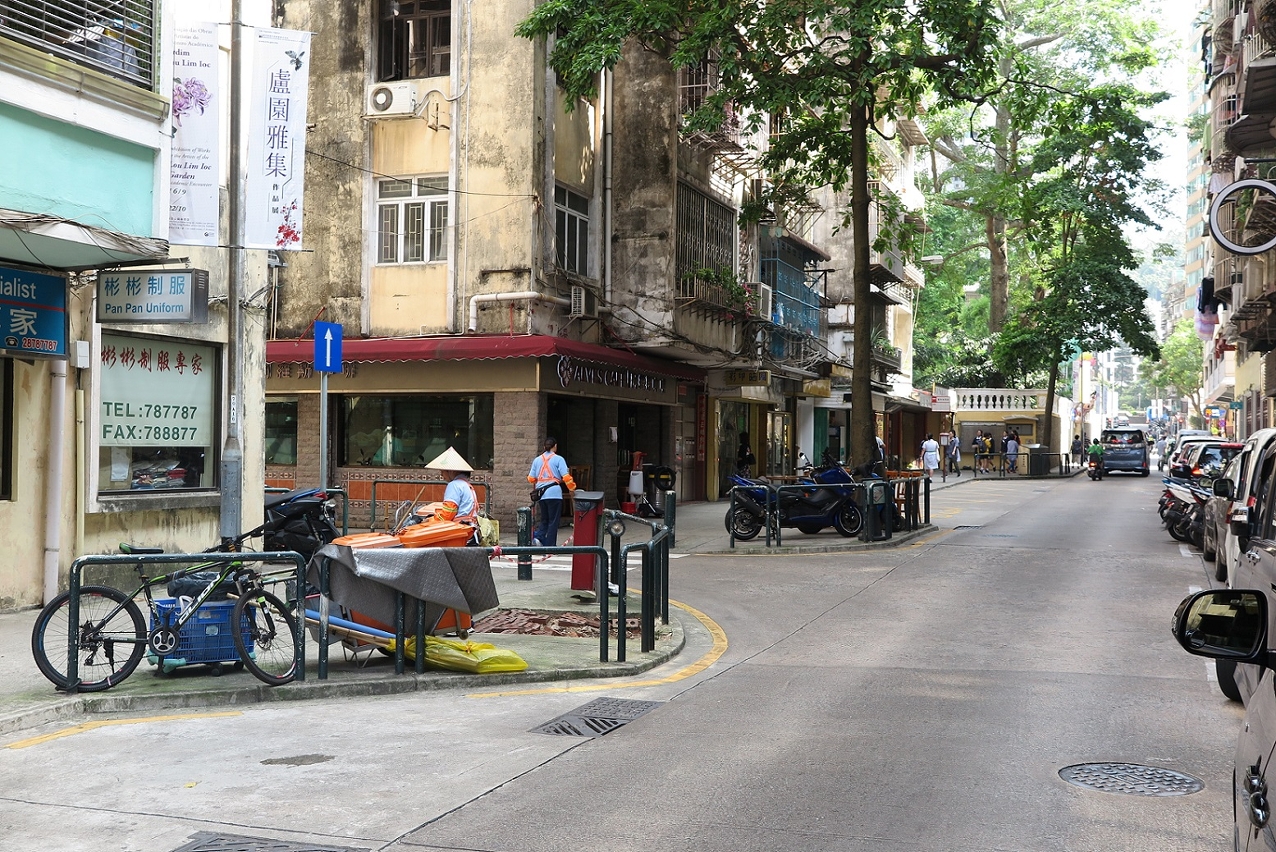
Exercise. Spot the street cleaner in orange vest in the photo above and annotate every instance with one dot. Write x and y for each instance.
(549, 475)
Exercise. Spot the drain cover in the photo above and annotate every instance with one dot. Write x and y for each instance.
(598, 717)
(967, 527)
(1131, 779)
(207, 841)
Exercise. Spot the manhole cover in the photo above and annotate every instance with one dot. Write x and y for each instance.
(207, 841)
(598, 717)
(1131, 779)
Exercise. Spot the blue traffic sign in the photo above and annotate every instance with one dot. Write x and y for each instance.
(327, 347)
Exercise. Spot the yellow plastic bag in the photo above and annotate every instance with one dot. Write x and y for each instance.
(459, 655)
(489, 531)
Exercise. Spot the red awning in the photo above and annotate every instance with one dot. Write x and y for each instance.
(476, 347)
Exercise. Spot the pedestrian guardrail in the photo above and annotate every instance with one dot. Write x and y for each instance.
(201, 559)
(908, 502)
(1032, 465)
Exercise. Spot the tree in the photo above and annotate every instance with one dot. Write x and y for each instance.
(833, 71)
(1180, 366)
(1090, 175)
(1049, 50)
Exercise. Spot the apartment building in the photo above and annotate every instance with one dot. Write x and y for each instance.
(1237, 49)
(506, 266)
(113, 402)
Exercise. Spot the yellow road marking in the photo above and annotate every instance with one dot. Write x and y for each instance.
(710, 657)
(90, 726)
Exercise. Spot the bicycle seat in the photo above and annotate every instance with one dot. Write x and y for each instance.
(138, 550)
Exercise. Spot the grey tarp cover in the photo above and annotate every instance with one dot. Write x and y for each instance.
(365, 580)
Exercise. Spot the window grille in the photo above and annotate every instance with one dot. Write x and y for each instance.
(414, 39)
(412, 220)
(706, 232)
(116, 37)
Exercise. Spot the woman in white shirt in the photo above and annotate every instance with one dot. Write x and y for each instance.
(930, 455)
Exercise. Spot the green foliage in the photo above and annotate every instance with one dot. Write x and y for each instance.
(1180, 364)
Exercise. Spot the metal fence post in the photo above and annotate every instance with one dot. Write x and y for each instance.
(524, 521)
(927, 503)
(671, 514)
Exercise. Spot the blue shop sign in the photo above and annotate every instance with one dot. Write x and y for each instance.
(33, 320)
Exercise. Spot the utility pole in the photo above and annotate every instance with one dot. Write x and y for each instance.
(232, 460)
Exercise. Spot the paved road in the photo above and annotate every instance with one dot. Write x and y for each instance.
(920, 698)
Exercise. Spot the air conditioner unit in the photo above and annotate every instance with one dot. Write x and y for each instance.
(584, 302)
(762, 299)
(390, 99)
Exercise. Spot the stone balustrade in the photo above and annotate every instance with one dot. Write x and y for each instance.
(1000, 399)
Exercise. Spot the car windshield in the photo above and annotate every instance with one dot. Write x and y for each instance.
(1216, 455)
(1123, 437)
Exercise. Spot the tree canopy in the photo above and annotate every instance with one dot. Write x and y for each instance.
(831, 70)
(1180, 365)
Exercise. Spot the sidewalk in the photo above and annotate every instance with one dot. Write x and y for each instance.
(27, 699)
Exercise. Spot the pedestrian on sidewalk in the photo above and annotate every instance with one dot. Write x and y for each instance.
(930, 455)
(550, 476)
(1012, 452)
(1077, 447)
(954, 454)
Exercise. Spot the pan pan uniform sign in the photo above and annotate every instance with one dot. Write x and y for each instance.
(153, 295)
(33, 320)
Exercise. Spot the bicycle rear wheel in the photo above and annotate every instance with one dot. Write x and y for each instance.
(110, 638)
(266, 637)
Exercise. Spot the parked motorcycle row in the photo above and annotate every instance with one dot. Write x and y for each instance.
(829, 502)
(1193, 464)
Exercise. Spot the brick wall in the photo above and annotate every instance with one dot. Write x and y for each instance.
(516, 439)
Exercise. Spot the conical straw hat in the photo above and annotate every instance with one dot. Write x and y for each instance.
(449, 459)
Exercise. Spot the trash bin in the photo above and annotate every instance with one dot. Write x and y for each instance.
(588, 520)
(659, 480)
(1038, 460)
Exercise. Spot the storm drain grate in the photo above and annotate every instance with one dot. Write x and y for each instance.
(968, 527)
(206, 841)
(1131, 779)
(1001, 535)
(598, 717)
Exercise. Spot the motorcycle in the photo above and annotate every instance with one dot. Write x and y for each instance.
(302, 520)
(809, 511)
(1095, 470)
(1185, 516)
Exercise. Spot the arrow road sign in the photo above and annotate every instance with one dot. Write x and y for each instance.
(327, 347)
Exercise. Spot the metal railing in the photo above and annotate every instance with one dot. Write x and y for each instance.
(907, 497)
(78, 566)
(1029, 465)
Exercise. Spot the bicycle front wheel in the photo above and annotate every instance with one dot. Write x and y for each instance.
(109, 640)
(266, 637)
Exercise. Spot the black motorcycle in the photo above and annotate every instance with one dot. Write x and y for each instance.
(302, 520)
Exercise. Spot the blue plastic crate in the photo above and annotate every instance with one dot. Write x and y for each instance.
(206, 638)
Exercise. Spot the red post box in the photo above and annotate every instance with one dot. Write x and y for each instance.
(588, 522)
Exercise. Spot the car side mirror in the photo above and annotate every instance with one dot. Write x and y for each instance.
(1223, 487)
(1228, 624)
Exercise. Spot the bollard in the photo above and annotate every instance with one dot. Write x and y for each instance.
(927, 502)
(671, 515)
(524, 518)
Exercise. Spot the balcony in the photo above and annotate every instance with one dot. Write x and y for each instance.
(714, 294)
(117, 39)
(1257, 87)
(1000, 400)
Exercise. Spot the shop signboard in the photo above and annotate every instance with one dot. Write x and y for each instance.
(33, 314)
(153, 295)
(746, 378)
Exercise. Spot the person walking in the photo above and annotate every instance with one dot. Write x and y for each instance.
(930, 455)
(1077, 447)
(549, 475)
(1012, 452)
(954, 454)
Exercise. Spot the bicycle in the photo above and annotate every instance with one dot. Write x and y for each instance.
(264, 630)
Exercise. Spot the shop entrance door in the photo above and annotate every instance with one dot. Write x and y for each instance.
(779, 461)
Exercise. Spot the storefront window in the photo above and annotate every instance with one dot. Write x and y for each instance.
(281, 431)
(407, 431)
(157, 414)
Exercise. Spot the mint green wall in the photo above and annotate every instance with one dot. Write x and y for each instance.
(76, 173)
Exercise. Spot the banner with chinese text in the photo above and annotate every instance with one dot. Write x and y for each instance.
(195, 154)
(275, 170)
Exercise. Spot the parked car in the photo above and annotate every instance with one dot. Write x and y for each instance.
(1182, 445)
(1251, 523)
(1233, 625)
(1175, 443)
(1206, 459)
(1124, 449)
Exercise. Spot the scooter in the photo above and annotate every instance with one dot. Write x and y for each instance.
(302, 520)
(1184, 519)
(1095, 470)
(810, 510)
